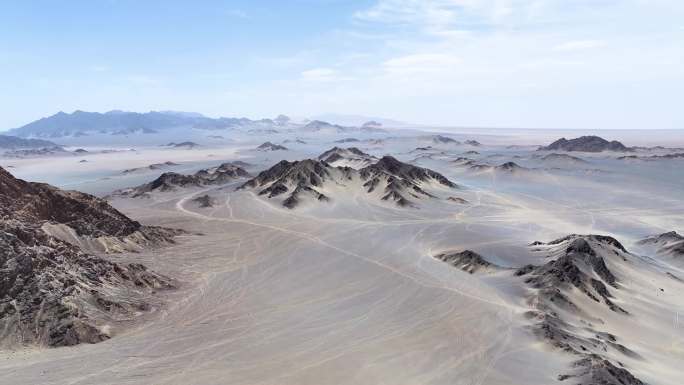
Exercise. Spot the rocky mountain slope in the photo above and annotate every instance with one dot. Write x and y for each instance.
(468, 261)
(586, 144)
(667, 244)
(578, 297)
(169, 181)
(578, 268)
(351, 157)
(394, 181)
(53, 292)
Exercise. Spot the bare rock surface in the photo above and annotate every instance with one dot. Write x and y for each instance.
(400, 182)
(578, 265)
(586, 144)
(53, 293)
(170, 181)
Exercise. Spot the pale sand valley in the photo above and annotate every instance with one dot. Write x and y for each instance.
(172, 248)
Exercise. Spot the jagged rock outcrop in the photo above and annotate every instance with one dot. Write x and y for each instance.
(586, 144)
(399, 182)
(510, 167)
(402, 181)
(268, 146)
(351, 157)
(170, 181)
(39, 202)
(578, 265)
(54, 293)
(468, 261)
(296, 178)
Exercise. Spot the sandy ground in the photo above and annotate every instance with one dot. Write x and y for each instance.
(348, 293)
(275, 300)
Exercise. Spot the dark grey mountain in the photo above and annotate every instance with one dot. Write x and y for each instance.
(586, 144)
(268, 146)
(170, 181)
(52, 293)
(468, 261)
(400, 182)
(578, 264)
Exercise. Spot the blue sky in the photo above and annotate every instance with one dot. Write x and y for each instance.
(504, 63)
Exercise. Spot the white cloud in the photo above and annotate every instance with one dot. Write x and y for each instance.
(422, 63)
(580, 45)
(320, 75)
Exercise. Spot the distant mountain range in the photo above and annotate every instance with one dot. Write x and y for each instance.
(14, 142)
(116, 122)
(81, 123)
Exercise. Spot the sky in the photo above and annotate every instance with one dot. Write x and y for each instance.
(611, 64)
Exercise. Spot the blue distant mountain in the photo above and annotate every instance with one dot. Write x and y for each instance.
(13, 142)
(81, 123)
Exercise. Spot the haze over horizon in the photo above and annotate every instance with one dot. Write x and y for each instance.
(466, 63)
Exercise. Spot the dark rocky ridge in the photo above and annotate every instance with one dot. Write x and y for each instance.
(586, 144)
(39, 202)
(467, 260)
(297, 178)
(400, 180)
(351, 154)
(268, 146)
(169, 181)
(579, 264)
(52, 293)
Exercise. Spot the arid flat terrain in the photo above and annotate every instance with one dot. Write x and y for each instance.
(352, 268)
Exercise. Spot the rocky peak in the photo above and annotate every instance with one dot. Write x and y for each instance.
(577, 263)
(39, 203)
(169, 181)
(586, 144)
(391, 166)
(468, 261)
(268, 146)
